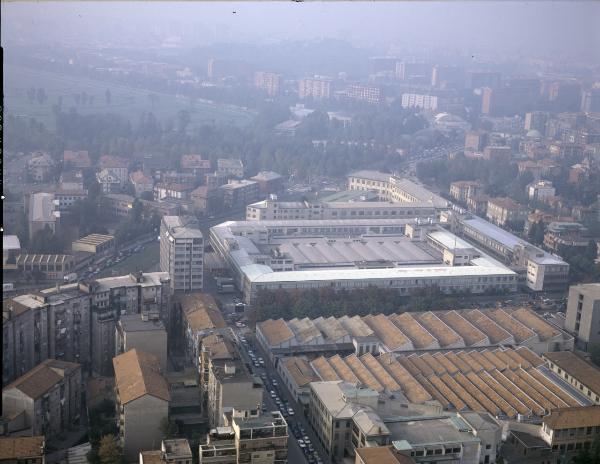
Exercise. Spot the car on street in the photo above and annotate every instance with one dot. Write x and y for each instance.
(273, 394)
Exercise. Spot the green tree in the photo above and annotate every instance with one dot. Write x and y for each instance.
(168, 428)
(109, 451)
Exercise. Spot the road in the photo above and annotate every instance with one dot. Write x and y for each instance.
(269, 374)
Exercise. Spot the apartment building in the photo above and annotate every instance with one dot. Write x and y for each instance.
(581, 374)
(43, 212)
(476, 140)
(45, 400)
(569, 430)
(541, 190)
(145, 332)
(261, 439)
(231, 391)
(583, 314)
(316, 87)
(194, 164)
(268, 81)
(367, 93)
(415, 100)
(22, 450)
(141, 182)
(505, 211)
(269, 182)
(237, 193)
(464, 189)
(214, 349)
(182, 252)
(143, 399)
(172, 451)
(77, 159)
(40, 166)
(178, 191)
(231, 166)
(118, 204)
(200, 316)
(501, 154)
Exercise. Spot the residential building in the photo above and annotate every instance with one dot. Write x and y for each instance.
(497, 153)
(94, 243)
(143, 398)
(237, 193)
(22, 450)
(231, 166)
(481, 79)
(464, 189)
(447, 77)
(317, 87)
(268, 81)
(118, 204)
(381, 455)
(269, 182)
(262, 438)
(141, 182)
(527, 447)
(76, 159)
(367, 93)
(172, 451)
(195, 164)
(186, 177)
(200, 316)
(536, 120)
(560, 235)
(44, 401)
(569, 430)
(583, 314)
(182, 252)
(110, 180)
(213, 349)
(579, 373)
(145, 332)
(163, 191)
(71, 180)
(478, 204)
(113, 297)
(541, 190)
(414, 100)
(476, 141)
(40, 166)
(231, 390)
(43, 212)
(11, 248)
(506, 211)
(414, 72)
(66, 199)
(205, 199)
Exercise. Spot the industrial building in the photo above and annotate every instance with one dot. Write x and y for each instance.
(401, 254)
(94, 243)
(410, 332)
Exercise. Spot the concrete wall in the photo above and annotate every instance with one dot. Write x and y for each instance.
(143, 418)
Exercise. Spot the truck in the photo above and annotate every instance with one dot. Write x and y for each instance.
(70, 278)
(226, 288)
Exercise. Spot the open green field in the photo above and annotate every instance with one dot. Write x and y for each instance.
(128, 102)
(145, 260)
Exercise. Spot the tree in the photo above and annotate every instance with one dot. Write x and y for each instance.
(168, 428)
(109, 451)
(590, 455)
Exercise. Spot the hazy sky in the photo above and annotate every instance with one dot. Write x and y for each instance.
(540, 25)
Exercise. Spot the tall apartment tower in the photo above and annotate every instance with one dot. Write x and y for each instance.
(583, 314)
(182, 253)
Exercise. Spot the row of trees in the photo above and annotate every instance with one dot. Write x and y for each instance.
(312, 303)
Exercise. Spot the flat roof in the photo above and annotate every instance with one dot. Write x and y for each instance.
(10, 242)
(423, 431)
(95, 239)
(135, 323)
(371, 175)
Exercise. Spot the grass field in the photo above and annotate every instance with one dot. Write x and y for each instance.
(145, 261)
(126, 101)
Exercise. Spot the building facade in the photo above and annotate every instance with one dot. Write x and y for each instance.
(182, 253)
(583, 314)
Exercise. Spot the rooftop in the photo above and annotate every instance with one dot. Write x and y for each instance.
(94, 239)
(371, 175)
(577, 367)
(266, 176)
(42, 377)
(21, 448)
(201, 312)
(138, 374)
(300, 370)
(382, 455)
(135, 323)
(422, 431)
(571, 418)
(182, 226)
(10, 242)
(41, 207)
